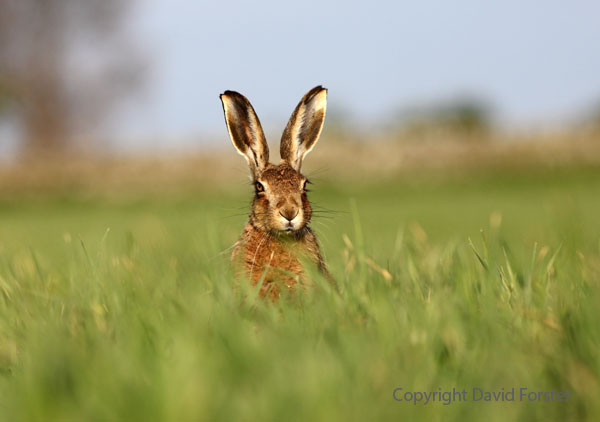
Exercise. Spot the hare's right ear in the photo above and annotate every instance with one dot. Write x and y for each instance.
(245, 130)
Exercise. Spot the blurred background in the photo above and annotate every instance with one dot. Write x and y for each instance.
(411, 85)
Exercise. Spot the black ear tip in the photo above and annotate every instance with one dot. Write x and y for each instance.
(236, 97)
(234, 94)
(314, 92)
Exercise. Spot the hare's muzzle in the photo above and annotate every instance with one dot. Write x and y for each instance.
(289, 213)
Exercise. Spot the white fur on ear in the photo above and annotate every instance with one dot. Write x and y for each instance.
(304, 127)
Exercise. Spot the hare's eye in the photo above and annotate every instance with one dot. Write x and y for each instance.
(259, 187)
(304, 185)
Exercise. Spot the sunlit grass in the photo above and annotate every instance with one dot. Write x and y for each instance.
(127, 311)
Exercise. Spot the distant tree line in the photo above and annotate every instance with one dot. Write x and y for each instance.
(466, 118)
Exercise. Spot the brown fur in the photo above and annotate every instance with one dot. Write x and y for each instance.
(277, 238)
(269, 253)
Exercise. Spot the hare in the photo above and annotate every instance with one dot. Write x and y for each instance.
(277, 238)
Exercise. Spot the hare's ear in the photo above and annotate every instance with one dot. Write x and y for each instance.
(303, 130)
(245, 130)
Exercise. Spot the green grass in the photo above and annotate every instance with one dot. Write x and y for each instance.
(123, 309)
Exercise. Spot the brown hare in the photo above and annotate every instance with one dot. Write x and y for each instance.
(277, 238)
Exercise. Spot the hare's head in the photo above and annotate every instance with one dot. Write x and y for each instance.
(280, 204)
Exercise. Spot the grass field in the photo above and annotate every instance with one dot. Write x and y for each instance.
(114, 308)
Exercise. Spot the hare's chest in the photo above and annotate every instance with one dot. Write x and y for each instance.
(275, 261)
(273, 256)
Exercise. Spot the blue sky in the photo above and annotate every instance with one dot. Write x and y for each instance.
(536, 62)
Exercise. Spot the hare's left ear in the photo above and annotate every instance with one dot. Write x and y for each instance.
(304, 127)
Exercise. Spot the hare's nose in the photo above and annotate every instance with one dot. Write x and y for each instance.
(289, 213)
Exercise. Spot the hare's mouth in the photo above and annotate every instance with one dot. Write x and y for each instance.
(290, 228)
(287, 225)
(290, 232)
